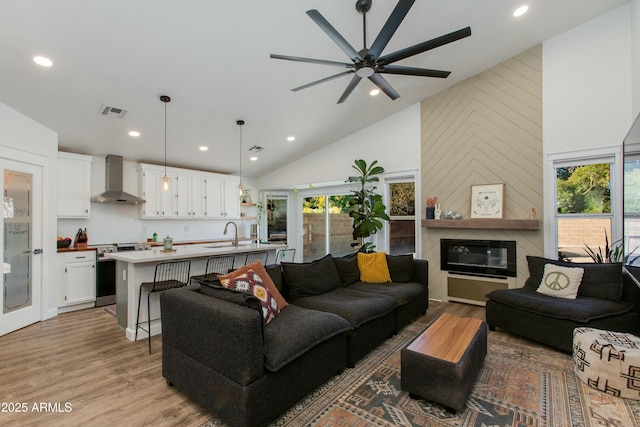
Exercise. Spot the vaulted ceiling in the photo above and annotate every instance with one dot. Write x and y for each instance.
(212, 58)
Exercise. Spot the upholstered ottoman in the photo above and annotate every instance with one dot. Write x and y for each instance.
(608, 361)
(443, 363)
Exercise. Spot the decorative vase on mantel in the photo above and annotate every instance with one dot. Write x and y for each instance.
(431, 212)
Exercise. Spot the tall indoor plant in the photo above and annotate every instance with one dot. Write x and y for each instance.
(365, 205)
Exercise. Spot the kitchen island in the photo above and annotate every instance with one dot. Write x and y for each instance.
(136, 267)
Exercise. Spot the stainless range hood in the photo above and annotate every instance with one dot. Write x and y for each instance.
(114, 193)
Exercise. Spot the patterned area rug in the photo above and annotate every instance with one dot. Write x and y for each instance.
(519, 385)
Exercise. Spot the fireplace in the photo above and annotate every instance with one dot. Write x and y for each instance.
(491, 258)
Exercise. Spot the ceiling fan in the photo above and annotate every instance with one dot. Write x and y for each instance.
(368, 62)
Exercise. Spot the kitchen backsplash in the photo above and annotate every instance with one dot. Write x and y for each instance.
(111, 223)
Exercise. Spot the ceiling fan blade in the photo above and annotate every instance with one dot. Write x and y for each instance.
(335, 36)
(311, 60)
(326, 79)
(384, 86)
(390, 27)
(412, 71)
(352, 85)
(425, 46)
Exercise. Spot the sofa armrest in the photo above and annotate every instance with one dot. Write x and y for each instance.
(421, 272)
(221, 335)
(631, 287)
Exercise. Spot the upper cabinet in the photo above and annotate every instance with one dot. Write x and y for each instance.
(159, 203)
(74, 185)
(222, 198)
(191, 194)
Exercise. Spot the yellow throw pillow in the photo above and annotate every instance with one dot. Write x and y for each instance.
(373, 267)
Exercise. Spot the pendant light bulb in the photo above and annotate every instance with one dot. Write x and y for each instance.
(165, 178)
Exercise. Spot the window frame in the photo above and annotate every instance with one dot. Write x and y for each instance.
(612, 155)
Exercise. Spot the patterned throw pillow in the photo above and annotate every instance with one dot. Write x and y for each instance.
(373, 267)
(560, 282)
(250, 282)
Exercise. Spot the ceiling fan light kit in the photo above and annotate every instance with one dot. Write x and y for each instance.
(368, 62)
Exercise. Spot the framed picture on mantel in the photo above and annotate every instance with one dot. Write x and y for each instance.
(487, 201)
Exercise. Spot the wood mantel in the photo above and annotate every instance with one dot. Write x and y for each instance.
(483, 223)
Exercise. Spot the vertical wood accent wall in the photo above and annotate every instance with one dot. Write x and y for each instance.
(485, 130)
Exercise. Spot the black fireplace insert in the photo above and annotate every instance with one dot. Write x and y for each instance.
(494, 258)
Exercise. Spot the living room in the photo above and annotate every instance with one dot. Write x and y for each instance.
(586, 99)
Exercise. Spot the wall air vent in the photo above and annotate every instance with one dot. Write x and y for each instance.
(256, 148)
(108, 111)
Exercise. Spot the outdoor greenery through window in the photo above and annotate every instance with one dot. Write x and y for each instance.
(402, 214)
(583, 215)
(327, 226)
(632, 207)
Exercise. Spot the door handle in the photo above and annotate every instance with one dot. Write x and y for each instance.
(37, 251)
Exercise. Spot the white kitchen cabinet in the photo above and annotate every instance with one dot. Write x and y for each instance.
(190, 197)
(222, 197)
(74, 185)
(158, 202)
(78, 280)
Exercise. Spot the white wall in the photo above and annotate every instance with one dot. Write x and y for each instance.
(586, 91)
(635, 56)
(29, 141)
(333, 162)
(587, 100)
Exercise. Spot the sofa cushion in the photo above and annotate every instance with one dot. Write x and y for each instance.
(266, 278)
(373, 267)
(355, 306)
(215, 289)
(400, 267)
(348, 270)
(560, 282)
(401, 292)
(312, 278)
(295, 331)
(250, 282)
(598, 281)
(581, 309)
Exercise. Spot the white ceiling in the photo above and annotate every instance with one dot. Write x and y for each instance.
(212, 58)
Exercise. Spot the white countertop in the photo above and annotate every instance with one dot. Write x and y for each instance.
(191, 251)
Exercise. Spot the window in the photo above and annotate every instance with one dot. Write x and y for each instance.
(327, 227)
(402, 215)
(632, 207)
(584, 215)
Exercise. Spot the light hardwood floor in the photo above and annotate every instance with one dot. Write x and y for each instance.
(86, 372)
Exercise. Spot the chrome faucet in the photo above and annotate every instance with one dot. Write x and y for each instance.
(235, 239)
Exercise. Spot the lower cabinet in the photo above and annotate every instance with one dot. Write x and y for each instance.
(472, 289)
(77, 280)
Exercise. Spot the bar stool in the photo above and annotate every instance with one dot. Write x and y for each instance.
(256, 256)
(285, 255)
(168, 275)
(217, 264)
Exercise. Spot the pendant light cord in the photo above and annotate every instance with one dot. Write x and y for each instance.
(240, 123)
(165, 139)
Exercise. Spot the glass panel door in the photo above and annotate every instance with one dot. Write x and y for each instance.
(17, 232)
(402, 218)
(21, 296)
(340, 227)
(314, 223)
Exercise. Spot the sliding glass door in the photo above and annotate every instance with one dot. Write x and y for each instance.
(326, 226)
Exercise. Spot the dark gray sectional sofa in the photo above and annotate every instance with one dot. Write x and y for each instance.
(608, 298)
(217, 350)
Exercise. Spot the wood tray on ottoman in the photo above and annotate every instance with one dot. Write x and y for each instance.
(443, 363)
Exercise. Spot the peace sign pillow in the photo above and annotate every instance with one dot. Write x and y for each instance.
(560, 282)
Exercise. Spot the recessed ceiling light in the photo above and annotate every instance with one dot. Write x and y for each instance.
(134, 133)
(203, 148)
(41, 60)
(291, 138)
(521, 11)
(253, 159)
(374, 92)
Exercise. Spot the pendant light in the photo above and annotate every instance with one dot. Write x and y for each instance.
(165, 178)
(240, 123)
